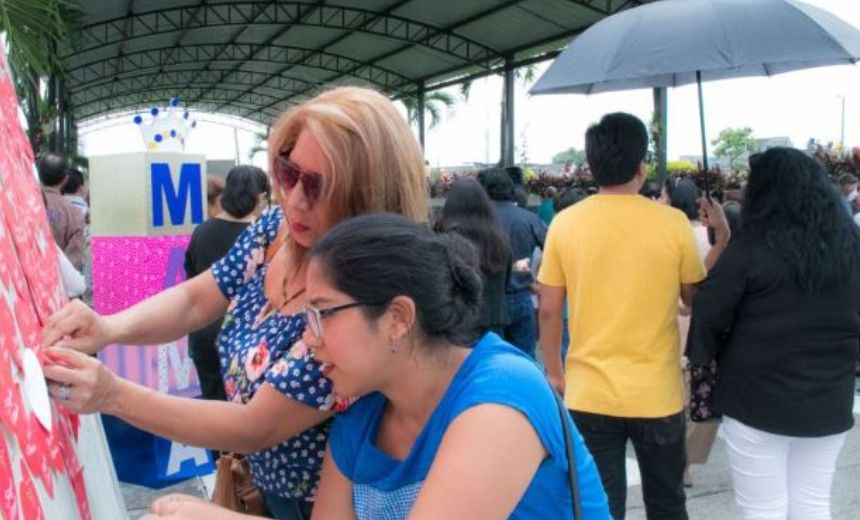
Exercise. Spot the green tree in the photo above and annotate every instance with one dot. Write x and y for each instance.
(733, 143)
(434, 102)
(572, 155)
(35, 30)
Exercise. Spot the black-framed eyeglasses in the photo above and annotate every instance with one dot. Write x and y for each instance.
(314, 316)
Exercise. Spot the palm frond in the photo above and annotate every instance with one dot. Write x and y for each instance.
(441, 98)
(465, 90)
(527, 73)
(433, 110)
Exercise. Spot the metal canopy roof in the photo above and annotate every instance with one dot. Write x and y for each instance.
(253, 59)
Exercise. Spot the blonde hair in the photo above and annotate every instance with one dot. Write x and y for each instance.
(375, 161)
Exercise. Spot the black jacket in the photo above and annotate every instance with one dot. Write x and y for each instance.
(785, 356)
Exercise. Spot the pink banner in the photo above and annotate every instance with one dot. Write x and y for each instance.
(30, 292)
(127, 270)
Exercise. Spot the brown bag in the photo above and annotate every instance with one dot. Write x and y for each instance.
(234, 486)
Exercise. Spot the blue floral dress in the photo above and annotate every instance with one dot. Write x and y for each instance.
(257, 348)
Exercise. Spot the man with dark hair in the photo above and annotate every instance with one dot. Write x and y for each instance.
(67, 222)
(75, 191)
(525, 232)
(520, 197)
(622, 261)
(516, 175)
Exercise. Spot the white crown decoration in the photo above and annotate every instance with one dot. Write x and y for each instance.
(166, 133)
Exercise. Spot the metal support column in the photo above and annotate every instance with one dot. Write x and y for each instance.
(508, 114)
(52, 141)
(62, 117)
(420, 108)
(661, 112)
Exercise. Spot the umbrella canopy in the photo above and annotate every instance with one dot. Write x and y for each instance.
(665, 43)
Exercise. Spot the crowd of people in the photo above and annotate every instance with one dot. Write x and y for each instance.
(372, 364)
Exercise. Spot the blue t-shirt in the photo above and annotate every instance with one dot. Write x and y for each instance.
(257, 347)
(385, 488)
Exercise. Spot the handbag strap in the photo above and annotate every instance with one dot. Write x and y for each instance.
(572, 478)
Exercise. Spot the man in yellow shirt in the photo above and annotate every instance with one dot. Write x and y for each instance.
(622, 261)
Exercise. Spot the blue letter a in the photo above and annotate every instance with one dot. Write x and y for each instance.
(190, 184)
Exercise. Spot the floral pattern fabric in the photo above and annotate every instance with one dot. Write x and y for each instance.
(703, 379)
(256, 347)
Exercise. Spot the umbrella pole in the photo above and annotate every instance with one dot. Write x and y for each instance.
(704, 139)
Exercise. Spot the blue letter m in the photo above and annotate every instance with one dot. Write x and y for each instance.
(190, 185)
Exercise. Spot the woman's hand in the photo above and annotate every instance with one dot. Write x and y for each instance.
(185, 507)
(77, 327)
(80, 382)
(711, 214)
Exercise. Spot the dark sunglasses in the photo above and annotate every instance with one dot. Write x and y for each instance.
(288, 174)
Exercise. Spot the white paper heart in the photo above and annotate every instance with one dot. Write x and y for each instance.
(36, 390)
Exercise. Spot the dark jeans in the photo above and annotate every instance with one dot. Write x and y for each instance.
(521, 330)
(660, 450)
(284, 508)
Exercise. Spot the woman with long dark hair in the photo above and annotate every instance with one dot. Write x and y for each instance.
(779, 313)
(469, 212)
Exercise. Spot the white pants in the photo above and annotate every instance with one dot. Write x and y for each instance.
(778, 477)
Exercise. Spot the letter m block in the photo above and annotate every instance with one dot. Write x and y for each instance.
(177, 198)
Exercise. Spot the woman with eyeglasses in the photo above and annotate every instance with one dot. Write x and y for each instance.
(446, 429)
(344, 152)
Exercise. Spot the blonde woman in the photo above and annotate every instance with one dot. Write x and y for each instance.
(345, 152)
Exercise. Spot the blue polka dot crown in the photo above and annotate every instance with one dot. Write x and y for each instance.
(166, 131)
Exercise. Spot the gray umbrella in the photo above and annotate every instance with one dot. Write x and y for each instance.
(677, 42)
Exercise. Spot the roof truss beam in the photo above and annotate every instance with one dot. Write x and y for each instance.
(319, 51)
(141, 81)
(449, 29)
(352, 19)
(110, 69)
(158, 94)
(271, 39)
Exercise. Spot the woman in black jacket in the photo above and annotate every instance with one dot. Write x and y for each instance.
(779, 313)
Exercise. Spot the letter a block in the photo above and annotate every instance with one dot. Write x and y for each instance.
(147, 193)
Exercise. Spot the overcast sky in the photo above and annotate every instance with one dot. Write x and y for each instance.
(798, 105)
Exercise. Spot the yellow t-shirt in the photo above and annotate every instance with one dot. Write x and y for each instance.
(622, 260)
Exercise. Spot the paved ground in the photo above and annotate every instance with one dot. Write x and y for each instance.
(710, 498)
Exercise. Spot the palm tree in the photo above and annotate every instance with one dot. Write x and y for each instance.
(260, 145)
(526, 73)
(433, 104)
(35, 30)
